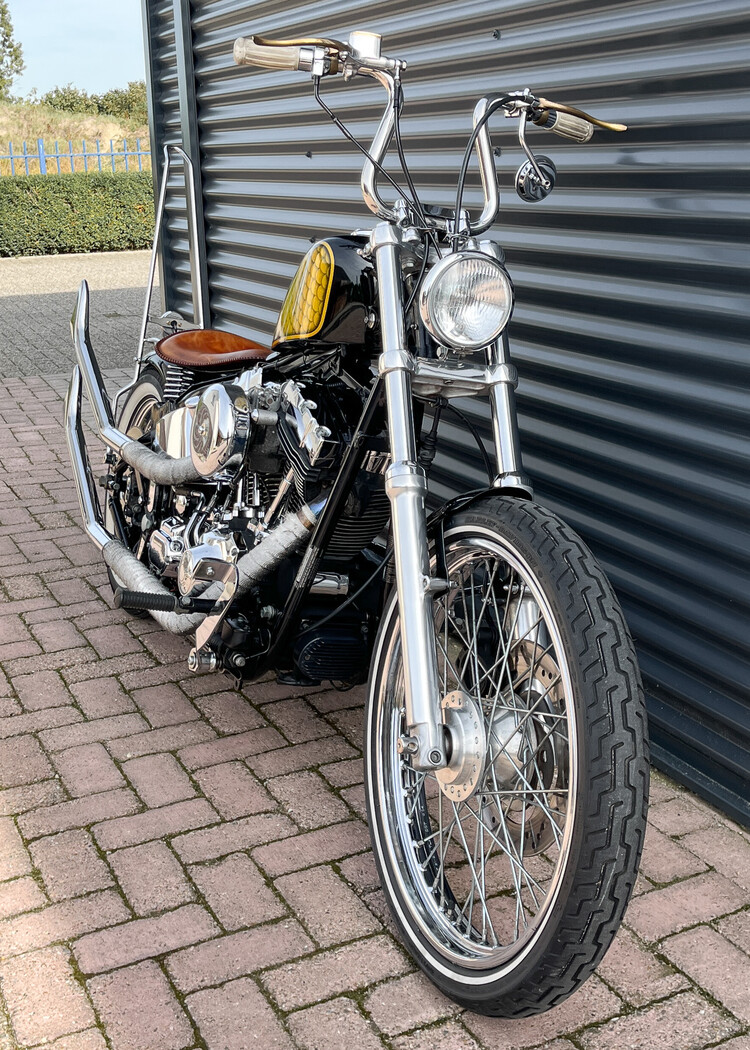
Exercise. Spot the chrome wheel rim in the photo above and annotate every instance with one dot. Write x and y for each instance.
(478, 877)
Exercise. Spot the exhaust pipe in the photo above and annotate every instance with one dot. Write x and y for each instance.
(287, 537)
(156, 466)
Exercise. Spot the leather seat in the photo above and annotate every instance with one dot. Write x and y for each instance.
(209, 348)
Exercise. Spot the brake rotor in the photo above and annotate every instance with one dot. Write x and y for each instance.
(464, 722)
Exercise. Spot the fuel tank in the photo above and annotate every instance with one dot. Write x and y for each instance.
(330, 300)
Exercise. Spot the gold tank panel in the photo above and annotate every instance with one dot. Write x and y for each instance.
(304, 309)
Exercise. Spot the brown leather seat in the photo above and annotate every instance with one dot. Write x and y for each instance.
(208, 348)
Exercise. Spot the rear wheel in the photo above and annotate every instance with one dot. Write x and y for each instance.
(508, 872)
(137, 417)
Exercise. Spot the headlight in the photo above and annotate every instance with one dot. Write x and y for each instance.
(466, 300)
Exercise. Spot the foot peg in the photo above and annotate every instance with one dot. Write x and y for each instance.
(159, 602)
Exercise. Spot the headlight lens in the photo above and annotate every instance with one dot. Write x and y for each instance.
(466, 300)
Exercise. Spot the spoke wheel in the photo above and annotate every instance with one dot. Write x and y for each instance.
(481, 861)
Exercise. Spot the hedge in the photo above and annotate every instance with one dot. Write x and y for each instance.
(78, 212)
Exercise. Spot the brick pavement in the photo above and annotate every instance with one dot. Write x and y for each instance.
(37, 296)
(186, 866)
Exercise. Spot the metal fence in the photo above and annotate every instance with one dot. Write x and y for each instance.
(41, 160)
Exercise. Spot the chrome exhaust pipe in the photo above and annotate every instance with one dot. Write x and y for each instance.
(287, 537)
(156, 466)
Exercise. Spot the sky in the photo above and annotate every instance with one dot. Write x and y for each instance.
(93, 44)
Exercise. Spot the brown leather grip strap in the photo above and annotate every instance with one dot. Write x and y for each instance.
(562, 108)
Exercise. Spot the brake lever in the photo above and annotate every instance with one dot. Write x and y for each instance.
(562, 108)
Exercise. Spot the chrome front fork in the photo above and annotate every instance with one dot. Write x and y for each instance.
(406, 486)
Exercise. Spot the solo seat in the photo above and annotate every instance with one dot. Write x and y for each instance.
(209, 348)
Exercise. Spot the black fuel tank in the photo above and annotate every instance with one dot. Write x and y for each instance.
(330, 299)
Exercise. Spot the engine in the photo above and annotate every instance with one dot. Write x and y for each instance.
(264, 449)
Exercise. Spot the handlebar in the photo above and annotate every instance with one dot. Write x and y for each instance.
(361, 56)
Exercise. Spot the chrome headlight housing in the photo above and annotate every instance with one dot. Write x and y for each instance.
(466, 300)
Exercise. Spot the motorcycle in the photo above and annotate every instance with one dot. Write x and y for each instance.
(273, 501)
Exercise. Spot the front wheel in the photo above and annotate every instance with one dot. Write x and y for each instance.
(509, 871)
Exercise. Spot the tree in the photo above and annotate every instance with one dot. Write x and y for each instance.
(11, 55)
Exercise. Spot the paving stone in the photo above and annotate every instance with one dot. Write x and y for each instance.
(151, 877)
(737, 929)
(115, 640)
(331, 911)
(21, 799)
(226, 1015)
(593, 1002)
(230, 712)
(40, 690)
(60, 922)
(344, 774)
(235, 891)
(99, 729)
(337, 699)
(155, 823)
(237, 955)
(77, 814)
(70, 865)
(682, 904)
(335, 1025)
(361, 871)
(164, 705)
(685, 1022)
(88, 769)
(301, 756)
(452, 1036)
(716, 965)
(57, 635)
(211, 843)
(308, 800)
(20, 895)
(35, 721)
(297, 721)
(331, 972)
(724, 850)
(664, 860)
(233, 790)
(408, 1002)
(227, 748)
(140, 1010)
(102, 697)
(170, 738)
(43, 997)
(681, 815)
(314, 847)
(22, 761)
(144, 939)
(159, 779)
(636, 973)
(14, 858)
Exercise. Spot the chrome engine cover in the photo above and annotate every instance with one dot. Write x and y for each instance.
(220, 430)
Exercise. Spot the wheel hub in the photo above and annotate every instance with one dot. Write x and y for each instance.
(464, 722)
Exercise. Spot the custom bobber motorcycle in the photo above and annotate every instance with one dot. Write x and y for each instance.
(272, 502)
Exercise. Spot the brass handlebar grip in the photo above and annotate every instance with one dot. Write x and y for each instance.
(564, 124)
(248, 53)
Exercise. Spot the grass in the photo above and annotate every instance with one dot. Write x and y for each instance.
(29, 122)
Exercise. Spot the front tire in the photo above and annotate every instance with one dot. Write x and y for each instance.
(508, 874)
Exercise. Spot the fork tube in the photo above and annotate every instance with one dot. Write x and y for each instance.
(406, 486)
(503, 383)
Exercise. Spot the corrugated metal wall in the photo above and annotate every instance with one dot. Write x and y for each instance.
(628, 333)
